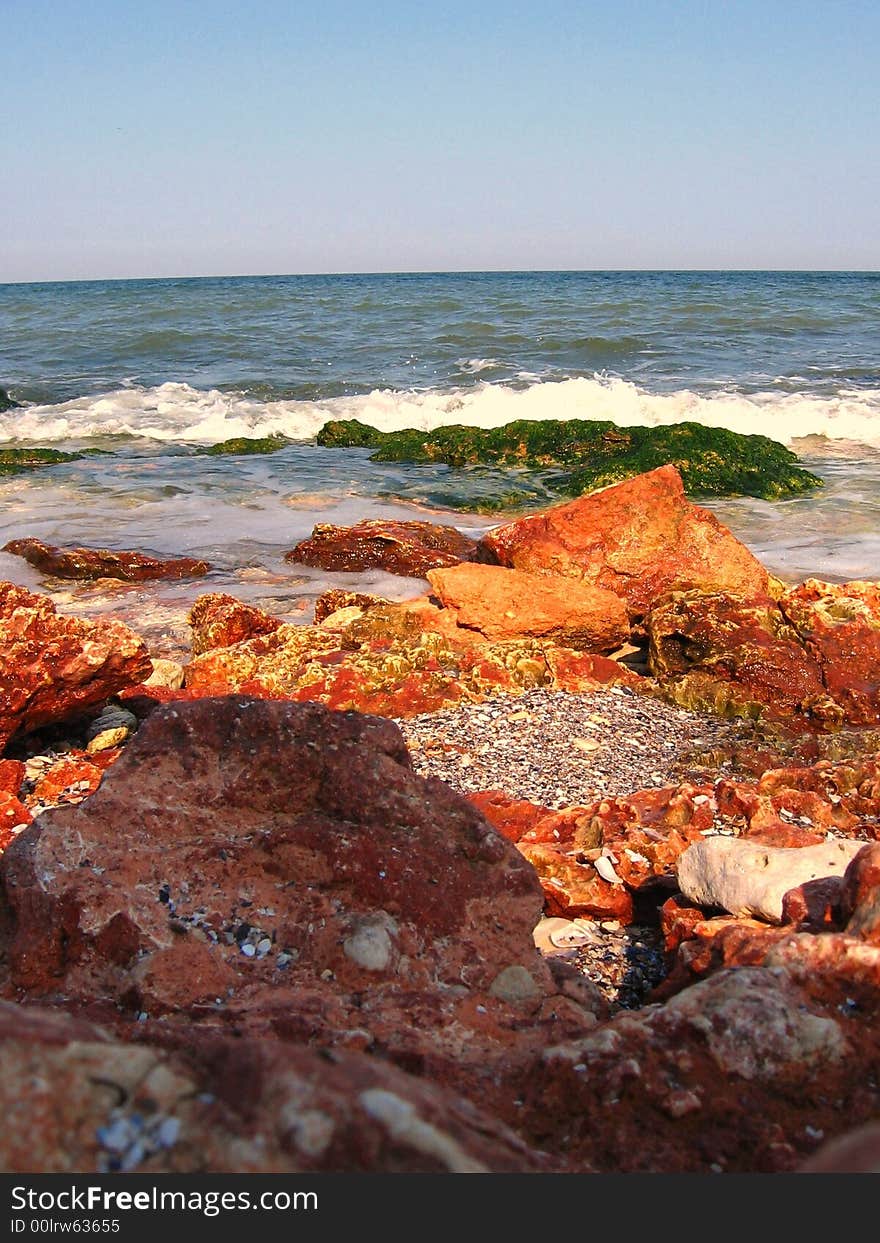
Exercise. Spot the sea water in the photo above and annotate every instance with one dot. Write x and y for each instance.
(150, 370)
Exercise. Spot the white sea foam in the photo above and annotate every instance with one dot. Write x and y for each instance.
(177, 412)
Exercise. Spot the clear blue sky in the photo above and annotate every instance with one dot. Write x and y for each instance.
(194, 138)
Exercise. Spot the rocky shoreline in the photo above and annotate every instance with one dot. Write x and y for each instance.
(570, 864)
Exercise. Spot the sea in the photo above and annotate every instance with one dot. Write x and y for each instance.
(149, 371)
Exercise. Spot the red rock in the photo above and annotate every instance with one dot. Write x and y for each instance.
(743, 1072)
(735, 656)
(54, 667)
(11, 776)
(678, 920)
(12, 815)
(572, 889)
(406, 548)
(228, 1106)
(506, 604)
(518, 820)
(91, 563)
(840, 627)
(584, 671)
(815, 905)
(860, 895)
(69, 780)
(398, 909)
(639, 539)
(219, 620)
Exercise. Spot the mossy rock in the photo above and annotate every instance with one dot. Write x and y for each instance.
(12, 461)
(247, 444)
(588, 454)
(350, 434)
(6, 402)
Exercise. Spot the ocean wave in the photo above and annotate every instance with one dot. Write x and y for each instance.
(177, 412)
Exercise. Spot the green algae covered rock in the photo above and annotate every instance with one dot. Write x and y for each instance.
(247, 444)
(352, 434)
(12, 461)
(584, 455)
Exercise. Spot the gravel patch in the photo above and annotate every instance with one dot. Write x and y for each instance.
(561, 749)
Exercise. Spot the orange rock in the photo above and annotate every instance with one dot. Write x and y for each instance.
(219, 620)
(840, 628)
(70, 780)
(53, 667)
(13, 814)
(573, 889)
(11, 776)
(639, 539)
(507, 604)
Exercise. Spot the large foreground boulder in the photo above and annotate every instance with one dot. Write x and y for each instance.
(76, 1099)
(638, 539)
(53, 667)
(279, 866)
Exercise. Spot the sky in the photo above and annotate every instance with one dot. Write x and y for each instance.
(193, 138)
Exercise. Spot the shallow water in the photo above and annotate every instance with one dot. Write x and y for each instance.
(149, 370)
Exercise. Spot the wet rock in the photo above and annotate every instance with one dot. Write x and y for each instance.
(406, 548)
(505, 604)
(54, 667)
(95, 1103)
(15, 461)
(7, 403)
(589, 454)
(92, 563)
(219, 620)
(750, 879)
(638, 539)
(240, 445)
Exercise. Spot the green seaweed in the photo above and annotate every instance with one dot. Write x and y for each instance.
(13, 461)
(246, 444)
(591, 454)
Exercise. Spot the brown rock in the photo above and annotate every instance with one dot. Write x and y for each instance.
(507, 604)
(287, 860)
(219, 620)
(76, 1099)
(639, 539)
(54, 667)
(860, 895)
(840, 627)
(91, 563)
(406, 548)
(746, 1071)
(736, 656)
(857, 1152)
(815, 905)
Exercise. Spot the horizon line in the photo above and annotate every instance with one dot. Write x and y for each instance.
(216, 276)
